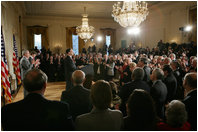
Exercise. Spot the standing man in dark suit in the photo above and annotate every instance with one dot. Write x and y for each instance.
(34, 112)
(70, 67)
(136, 83)
(25, 66)
(78, 96)
(143, 63)
(190, 100)
(158, 91)
(171, 82)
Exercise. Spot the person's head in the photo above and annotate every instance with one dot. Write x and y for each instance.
(137, 74)
(101, 95)
(167, 61)
(78, 77)
(172, 56)
(190, 81)
(129, 60)
(159, 59)
(157, 74)
(194, 63)
(142, 62)
(167, 70)
(35, 81)
(70, 52)
(141, 109)
(132, 66)
(26, 53)
(174, 65)
(33, 54)
(176, 114)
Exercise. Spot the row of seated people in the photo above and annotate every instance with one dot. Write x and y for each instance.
(84, 109)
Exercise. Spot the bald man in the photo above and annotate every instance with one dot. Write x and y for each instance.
(78, 96)
(190, 100)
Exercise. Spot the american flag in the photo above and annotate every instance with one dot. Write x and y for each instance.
(15, 63)
(5, 83)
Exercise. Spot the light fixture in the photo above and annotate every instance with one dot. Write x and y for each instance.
(188, 28)
(133, 30)
(99, 38)
(85, 31)
(131, 14)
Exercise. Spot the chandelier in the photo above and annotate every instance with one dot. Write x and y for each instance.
(85, 31)
(132, 13)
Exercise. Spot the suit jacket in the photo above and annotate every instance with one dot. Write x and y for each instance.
(171, 84)
(159, 94)
(78, 100)
(100, 120)
(25, 66)
(70, 67)
(190, 102)
(128, 88)
(147, 71)
(35, 112)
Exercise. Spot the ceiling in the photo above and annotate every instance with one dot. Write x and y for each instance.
(95, 9)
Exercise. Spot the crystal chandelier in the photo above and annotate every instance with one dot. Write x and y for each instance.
(85, 31)
(132, 13)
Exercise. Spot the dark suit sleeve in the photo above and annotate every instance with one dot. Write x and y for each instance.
(72, 66)
(154, 93)
(25, 65)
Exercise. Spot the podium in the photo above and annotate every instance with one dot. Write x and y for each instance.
(88, 69)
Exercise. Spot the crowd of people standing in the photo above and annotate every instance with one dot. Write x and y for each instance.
(152, 89)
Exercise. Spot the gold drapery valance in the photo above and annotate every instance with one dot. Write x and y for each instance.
(31, 30)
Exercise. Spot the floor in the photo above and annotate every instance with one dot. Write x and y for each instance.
(53, 91)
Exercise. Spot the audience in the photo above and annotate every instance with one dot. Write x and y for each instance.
(176, 118)
(190, 100)
(101, 118)
(78, 96)
(141, 112)
(35, 112)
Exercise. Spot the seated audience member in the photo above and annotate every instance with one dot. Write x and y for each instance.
(190, 100)
(116, 99)
(158, 91)
(141, 112)
(176, 118)
(35, 112)
(101, 118)
(170, 82)
(136, 83)
(78, 96)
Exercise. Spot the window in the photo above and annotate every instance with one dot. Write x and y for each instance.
(75, 44)
(37, 41)
(108, 40)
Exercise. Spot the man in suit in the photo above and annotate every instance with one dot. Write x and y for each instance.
(70, 67)
(78, 96)
(190, 100)
(171, 82)
(158, 91)
(25, 66)
(143, 63)
(136, 83)
(34, 112)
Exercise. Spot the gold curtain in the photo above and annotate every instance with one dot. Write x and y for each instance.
(72, 31)
(109, 32)
(37, 30)
(193, 22)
